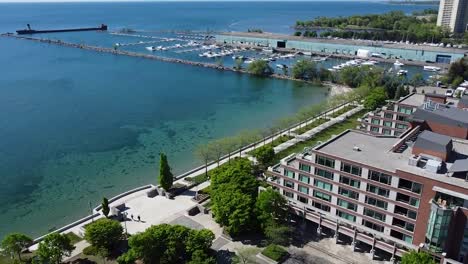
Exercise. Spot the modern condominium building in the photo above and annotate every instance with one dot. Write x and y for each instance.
(453, 14)
(392, 193)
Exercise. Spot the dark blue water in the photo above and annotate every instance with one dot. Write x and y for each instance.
(76, 126)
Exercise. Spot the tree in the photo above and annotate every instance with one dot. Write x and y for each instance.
(200, 257)
(417, 80)
(204, 153)
(104, 234)
(265, 155)
(278, 234)
(271, 208)
(414, 257)
(260, 68)
(13, 244)
(375, 99)
(305, 69)
(53, 248)
(165, 175)
(169, 244)
(105, 206)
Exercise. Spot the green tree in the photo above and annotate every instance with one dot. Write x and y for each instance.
(278, 234)
(238, 65)
(271, 208)
(201, 257)
(105, 206)
(417, 80)
(53, 248)
(204, 153)
(265, 155)
(104, 234)
(165, 175)
(13, 244)
(245, 255)
(414, 257)
(375, 99)
(260, 68)
(169, 244)
(305, 69)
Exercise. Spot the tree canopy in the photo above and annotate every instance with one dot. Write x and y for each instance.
(165, 175)
(104, 234)
(105, 206)
(53, 248)
(265, 155)
(305, 69)
(170, 244)
(260, 67)
(13, 244)
(375, 99)
(414, 257)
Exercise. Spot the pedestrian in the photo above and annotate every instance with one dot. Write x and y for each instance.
(139, 219)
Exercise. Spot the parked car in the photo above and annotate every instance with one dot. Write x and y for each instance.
(449, 93)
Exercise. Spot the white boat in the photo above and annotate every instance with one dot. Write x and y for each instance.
(268, 50)
(281, 66)
(248, 61)
(150, 48)
(431, 68)
(319, 59)
(402, 72)
(398, 63)
(369, 63)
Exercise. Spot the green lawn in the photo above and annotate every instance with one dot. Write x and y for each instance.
(323, 136)
(74, 238)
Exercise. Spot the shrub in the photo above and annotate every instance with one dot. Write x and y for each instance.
(90, 251)
(275, 252)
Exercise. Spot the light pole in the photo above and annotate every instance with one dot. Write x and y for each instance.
(125, 223)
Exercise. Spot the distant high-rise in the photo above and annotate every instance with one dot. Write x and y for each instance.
(453, 14)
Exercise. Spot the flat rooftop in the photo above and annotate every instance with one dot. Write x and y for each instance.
(376, 151)
(384, 44)
(415, 99)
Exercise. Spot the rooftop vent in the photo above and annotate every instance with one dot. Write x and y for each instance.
(431, 106)
(356, 148)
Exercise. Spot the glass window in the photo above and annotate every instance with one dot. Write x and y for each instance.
(388, 115)
(405, 212)
(353, 169)
(374, 214)
(324, 173)
(378, 190)
(325, 161)
(408, 239)
(372, 225)
(374, 129)
(323, 185)
(375, 121)
(304, 179)
(322, 196)
(288, 184)
(401, 126)
(288, 194)
(402, 118)
(387, 123)
(350, 182)
(405, 110)
(303, 189)
(346, 216)
(346, 204)
(380, 177)
(400, 197)
(289, 173)
(376, 202)
(304, 167)
(348, 193)
(302, 199)
(403, 224)
(386, 132)
(397, 134)
(410, 186)
(321, 206)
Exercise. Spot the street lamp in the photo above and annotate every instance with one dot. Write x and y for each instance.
(125, 222)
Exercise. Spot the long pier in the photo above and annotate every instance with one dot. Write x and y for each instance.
(140, 55)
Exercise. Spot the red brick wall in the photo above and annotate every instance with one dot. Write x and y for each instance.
(436, 98)
(458, 132)
(424, 205)
(442, 155)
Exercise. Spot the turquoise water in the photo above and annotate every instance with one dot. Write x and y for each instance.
(76, 126)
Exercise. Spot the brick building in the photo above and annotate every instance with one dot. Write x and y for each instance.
(392, 193)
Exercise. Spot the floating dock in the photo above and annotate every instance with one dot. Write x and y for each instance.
(30, 31)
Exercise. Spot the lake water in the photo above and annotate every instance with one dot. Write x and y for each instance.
(76, 126)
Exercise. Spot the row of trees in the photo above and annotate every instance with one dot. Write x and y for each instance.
(169, 244)
(458, 72)
(394, 26)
